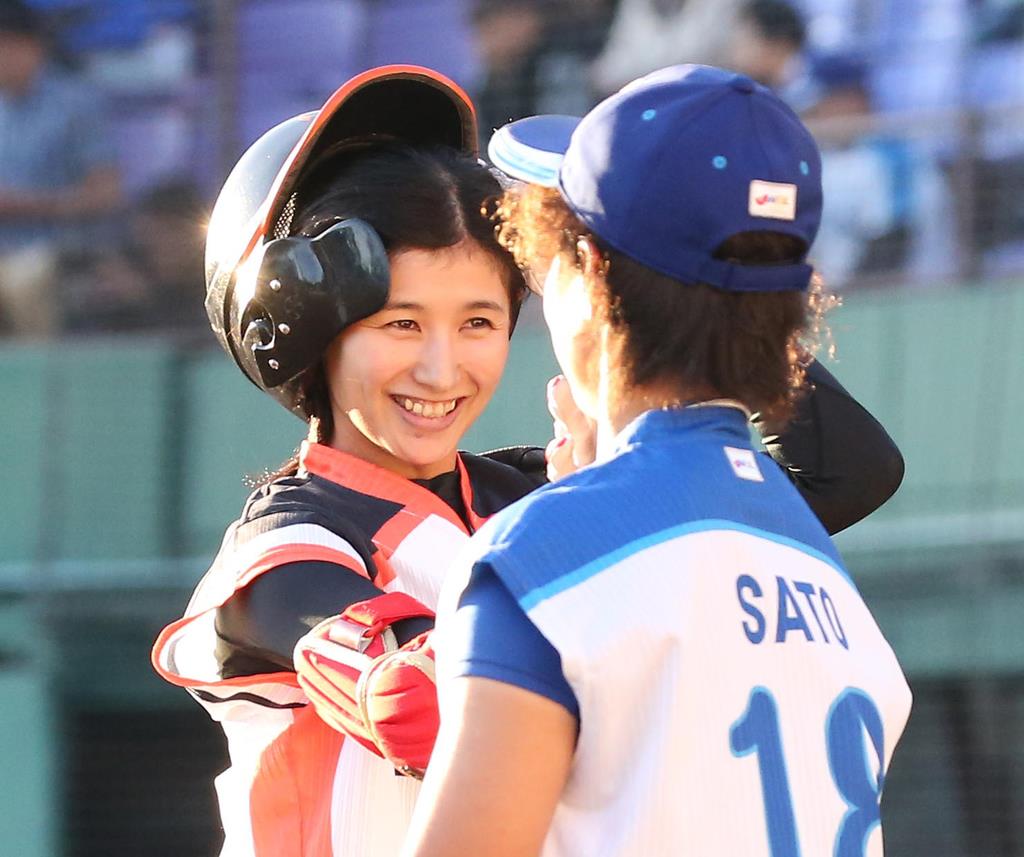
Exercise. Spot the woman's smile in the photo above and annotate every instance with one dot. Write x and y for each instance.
(427, 409)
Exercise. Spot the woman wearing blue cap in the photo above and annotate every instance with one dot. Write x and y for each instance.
(663, 653)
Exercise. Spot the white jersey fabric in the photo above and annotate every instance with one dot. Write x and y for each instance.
(736, 696)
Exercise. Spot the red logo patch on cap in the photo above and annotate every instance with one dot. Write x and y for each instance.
(773, 200)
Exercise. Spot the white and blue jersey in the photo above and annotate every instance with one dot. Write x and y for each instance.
(733, 692)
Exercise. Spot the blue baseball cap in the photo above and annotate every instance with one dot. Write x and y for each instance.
(675, 163)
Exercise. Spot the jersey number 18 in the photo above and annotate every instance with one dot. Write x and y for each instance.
(852, 715)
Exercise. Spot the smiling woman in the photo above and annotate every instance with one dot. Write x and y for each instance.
(439, 335)
(407, 382)
(353, 276)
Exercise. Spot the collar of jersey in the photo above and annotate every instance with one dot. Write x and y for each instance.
(366, 478)
(729, 423)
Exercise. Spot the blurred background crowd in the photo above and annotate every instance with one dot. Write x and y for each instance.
(126, 436)
(119, 119)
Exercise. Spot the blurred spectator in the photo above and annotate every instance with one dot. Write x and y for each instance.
(867, 178)
(575, 33)
(128, 46)
(57, 171)
(153, 281)
(649, 34)
(143, 55)
(535, 57)
(508, 38)
(995, 90)
(768, 44)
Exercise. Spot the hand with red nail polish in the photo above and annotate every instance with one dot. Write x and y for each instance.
(575, 435)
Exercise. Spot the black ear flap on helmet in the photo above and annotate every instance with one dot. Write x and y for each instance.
(296, 307)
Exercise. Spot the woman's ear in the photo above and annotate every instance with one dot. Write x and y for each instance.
(591, 259)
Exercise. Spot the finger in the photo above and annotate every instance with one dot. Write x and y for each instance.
(563, 407)
(559, 456)
(552, 404)
(558, 425)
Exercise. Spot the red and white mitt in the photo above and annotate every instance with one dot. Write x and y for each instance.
(363, 684)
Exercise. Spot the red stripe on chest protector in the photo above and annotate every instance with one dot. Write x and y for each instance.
(291, 794)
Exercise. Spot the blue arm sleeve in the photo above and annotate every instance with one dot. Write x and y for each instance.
(491, 637)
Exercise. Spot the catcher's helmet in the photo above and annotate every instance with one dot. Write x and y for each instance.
(275, 300)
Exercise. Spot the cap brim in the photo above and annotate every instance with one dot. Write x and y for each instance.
(532, 149)
(396, 102)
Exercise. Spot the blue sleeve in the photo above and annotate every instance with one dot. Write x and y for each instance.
(491, 637)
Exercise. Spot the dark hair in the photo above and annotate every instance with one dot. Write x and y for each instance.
(750, 346)
(21, 19)
(415, 198)
(776, 21)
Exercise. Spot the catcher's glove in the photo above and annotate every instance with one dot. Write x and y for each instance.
(364, 684)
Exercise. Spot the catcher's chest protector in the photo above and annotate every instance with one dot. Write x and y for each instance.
(295, 787)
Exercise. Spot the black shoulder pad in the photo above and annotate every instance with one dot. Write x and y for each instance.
(501, 477)
(309, 499)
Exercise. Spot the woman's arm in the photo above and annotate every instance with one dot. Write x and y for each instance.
(332, 626)
(839, 457)
(501, 761)
(508, 731)
(258, 627)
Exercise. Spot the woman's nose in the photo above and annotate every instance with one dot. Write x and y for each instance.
(438, 363)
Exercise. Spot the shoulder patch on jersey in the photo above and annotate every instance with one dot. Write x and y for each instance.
(743, 463)
(649, 489)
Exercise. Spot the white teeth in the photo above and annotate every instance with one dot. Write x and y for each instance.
(431, 410)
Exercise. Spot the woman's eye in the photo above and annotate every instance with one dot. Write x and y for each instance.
(403, 324)
(480, 324)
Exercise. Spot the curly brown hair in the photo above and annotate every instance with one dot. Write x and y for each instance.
(749, 346)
